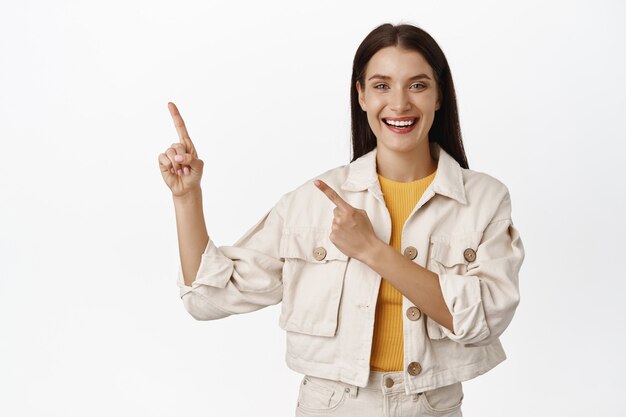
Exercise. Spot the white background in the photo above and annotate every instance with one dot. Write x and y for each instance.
(91, 323)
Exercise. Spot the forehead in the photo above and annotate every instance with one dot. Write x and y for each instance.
(398, 63)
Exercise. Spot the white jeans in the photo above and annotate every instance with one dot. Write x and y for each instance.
(383, 396)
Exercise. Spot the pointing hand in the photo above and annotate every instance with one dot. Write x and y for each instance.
(352, 230)
(180, 166)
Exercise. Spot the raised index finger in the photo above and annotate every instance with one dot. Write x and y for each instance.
(332, 194)
(179, 123)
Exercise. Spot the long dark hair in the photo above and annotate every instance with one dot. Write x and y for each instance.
(445, 130)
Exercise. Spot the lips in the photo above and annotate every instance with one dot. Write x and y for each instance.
(400, 124)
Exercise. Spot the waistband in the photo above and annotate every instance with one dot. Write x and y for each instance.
(386, 381)
(383, 382)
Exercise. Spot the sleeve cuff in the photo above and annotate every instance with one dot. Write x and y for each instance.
(463, 298)
(215, 270)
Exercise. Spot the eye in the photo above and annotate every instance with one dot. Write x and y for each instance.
(380, 85)
(418, 84)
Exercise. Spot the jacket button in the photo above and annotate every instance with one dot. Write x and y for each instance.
(413, 313)
(410, 252)
(414, 368)
(389, 382)
(319, 253)
(469, 254)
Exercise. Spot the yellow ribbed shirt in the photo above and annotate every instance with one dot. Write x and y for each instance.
(388, 340)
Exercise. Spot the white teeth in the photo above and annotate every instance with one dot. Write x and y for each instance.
(400, 123)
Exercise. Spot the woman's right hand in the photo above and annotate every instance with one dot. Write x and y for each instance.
(181, 175)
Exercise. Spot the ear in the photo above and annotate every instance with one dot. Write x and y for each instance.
(438, 104)
(361, 95)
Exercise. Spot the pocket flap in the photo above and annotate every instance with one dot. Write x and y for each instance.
(450, 250)
(304, 243)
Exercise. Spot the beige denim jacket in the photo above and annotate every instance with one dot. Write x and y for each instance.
(329, 300)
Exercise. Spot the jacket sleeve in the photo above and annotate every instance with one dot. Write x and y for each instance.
(241, 278)
(483, 301)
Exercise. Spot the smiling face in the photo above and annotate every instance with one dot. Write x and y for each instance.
(400, 96)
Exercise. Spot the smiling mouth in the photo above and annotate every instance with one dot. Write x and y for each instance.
(400, 124)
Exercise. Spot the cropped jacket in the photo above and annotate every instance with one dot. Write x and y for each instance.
(461, 229)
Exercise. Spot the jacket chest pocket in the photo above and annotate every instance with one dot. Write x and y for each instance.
(313, 275)
(451, 254)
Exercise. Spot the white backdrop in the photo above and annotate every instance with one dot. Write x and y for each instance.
(90, 319)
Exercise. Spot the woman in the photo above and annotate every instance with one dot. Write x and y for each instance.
(397, 273)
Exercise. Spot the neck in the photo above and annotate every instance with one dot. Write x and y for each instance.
(405, 166)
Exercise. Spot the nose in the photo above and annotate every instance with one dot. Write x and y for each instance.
(399, 101)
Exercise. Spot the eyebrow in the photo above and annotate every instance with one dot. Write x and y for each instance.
(386, 77)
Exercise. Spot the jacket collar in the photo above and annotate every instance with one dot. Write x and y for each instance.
(448, 180)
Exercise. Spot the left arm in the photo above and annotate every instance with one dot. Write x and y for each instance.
(415, 282)
(353, 234)
(473, 308)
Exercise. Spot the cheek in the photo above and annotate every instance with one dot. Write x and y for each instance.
(427, 102)
(370, 97)
(374, 107)
(372, 119)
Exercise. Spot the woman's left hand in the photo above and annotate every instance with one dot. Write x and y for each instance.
(352, 230)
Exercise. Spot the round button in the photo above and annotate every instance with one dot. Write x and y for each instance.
(413, 313)
(389, 382)
(469, 254)
(319, 253)
(410, 252)
(414, 368)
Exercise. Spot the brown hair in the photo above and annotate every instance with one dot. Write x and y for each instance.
(446, 129)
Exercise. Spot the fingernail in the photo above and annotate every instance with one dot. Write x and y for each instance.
(316, 182)
(178, 158)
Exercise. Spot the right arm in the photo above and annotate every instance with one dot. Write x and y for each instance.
(182, 171)
(192, 234)
(216, 282)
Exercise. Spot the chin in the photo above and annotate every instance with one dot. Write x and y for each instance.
(399, 144)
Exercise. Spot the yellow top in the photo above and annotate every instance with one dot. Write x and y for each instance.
(388, 342)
